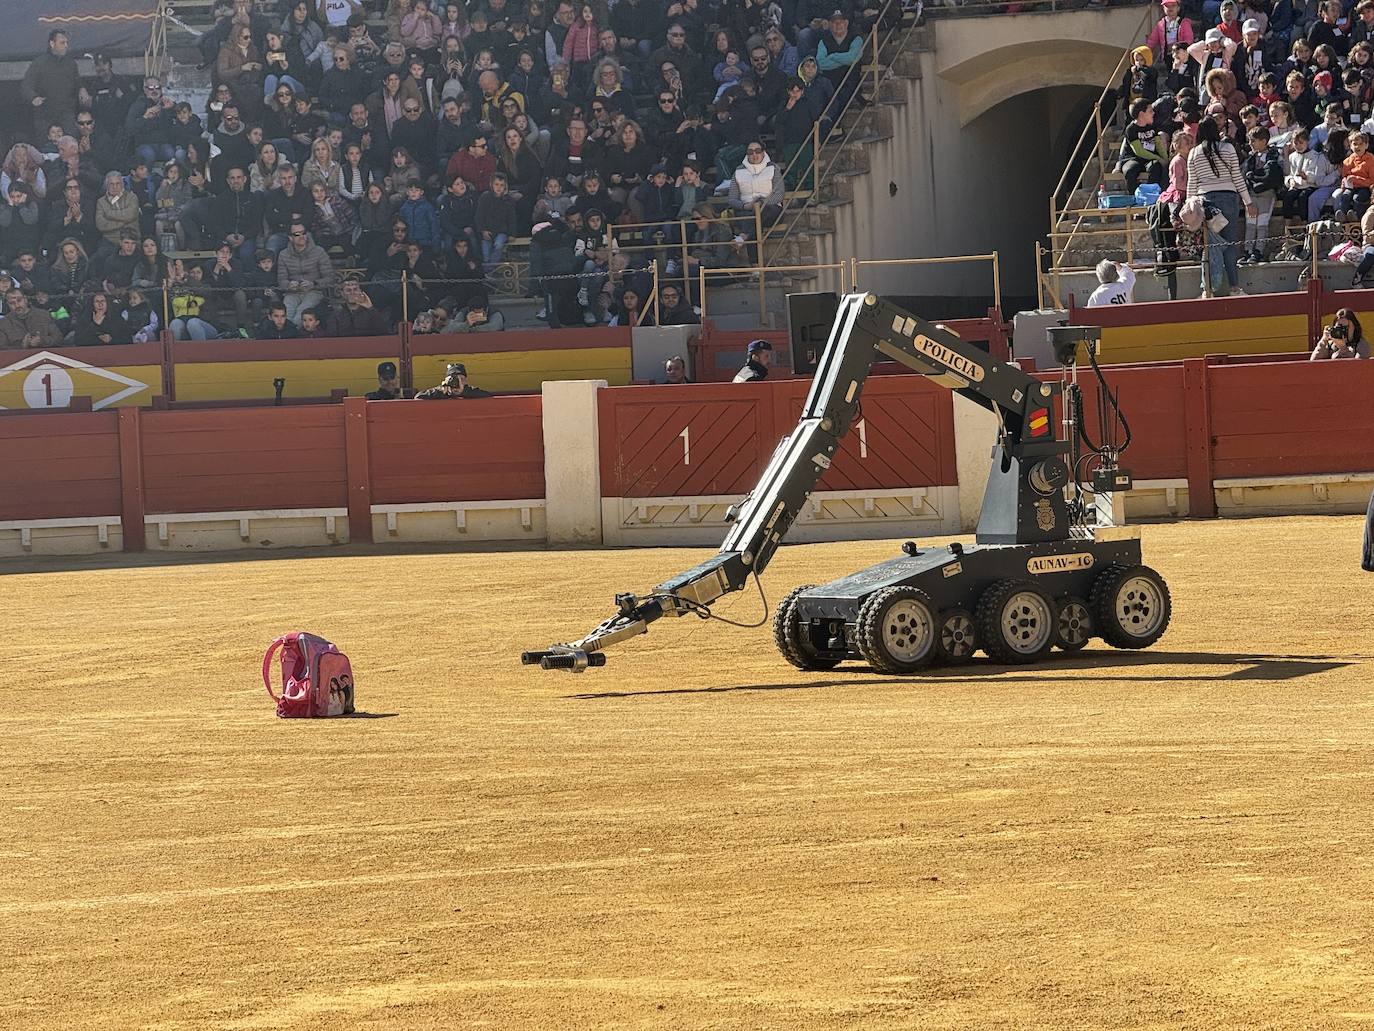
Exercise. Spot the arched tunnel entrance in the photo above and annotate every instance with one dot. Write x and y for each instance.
(991, 193)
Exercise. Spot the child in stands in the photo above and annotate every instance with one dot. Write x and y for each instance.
(1140, 81)
(1334, 120)
(1325, 92)
(1357, 178)
(1141, 149)
(1281, 125)
(1355, 98)
(1264, 175)
(1268, 94)
(496, 222)
(1308, 169)
(1182, 71)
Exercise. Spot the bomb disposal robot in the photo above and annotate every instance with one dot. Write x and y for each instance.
(1048, 569)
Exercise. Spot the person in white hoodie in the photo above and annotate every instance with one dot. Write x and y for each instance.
(1310, 180)
(757, 184)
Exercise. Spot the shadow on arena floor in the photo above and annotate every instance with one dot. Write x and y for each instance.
(153, 559)
(1256, 667)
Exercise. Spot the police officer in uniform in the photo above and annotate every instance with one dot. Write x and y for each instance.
(760, 358)
(455, 385)
(388, 384)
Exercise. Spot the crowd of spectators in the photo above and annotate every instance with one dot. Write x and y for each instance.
(416, 153)
(1254, 118)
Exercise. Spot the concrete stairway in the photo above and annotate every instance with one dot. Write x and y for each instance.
(844, 157)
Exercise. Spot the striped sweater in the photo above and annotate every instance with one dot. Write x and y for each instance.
(1226, 179)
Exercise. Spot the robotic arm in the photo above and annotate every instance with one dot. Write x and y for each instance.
(1024, 490)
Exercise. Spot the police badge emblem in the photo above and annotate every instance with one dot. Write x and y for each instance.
(1044, 514)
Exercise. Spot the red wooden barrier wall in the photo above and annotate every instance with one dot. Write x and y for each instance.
(59, 466)
(644, 452)
(135, 463)
(1200, 420)
(1152, 396)
(708, 439)
(230, 460)
(1290, 419)
(903, 438)
(490, 451)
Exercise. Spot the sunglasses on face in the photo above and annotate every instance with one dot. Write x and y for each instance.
(84, 121)
(297, 235)
(412, 110)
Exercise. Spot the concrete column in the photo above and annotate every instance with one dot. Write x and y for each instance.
(572, 462)
(975, 436)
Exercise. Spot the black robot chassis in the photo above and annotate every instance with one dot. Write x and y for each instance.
(937, 607)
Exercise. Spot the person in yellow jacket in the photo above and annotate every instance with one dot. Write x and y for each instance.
(187, 300)
(1140, 81)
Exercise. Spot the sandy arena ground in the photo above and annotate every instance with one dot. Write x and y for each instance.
(696, 836)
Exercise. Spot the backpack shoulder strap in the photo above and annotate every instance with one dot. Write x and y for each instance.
(267, 664)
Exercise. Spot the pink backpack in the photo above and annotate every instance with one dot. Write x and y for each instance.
(316, 677)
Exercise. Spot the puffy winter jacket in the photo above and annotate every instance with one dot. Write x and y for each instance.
(761, 182)
(310, 266)
(1309, 170)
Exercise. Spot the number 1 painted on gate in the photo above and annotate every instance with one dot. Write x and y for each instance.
(686, 436)
(863, 439)
(47, 388)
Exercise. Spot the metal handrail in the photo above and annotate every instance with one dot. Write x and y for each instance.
(816, 141)
(1095, 121)
(155, 53)
(761, 271)
(631, 227)
(1110, 85)
(857, 263)
(838, 150)
(1050, 281)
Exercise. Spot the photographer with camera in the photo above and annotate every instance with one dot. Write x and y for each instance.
(455, 386)
(1344, 338)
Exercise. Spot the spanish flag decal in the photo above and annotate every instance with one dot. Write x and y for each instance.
(1040, 422)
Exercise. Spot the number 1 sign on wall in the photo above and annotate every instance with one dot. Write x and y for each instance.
(48, 386)
(49, 379)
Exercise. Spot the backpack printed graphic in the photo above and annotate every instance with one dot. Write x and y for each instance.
(316, 678)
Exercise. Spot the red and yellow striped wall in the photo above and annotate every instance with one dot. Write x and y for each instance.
(524, 359)
(238, 370)
(1199, 421)
(112, 377)
(1174, 330)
